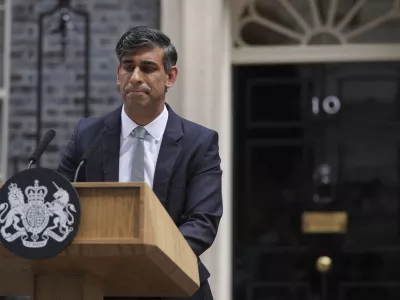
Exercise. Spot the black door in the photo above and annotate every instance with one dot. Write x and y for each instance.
(317, 140)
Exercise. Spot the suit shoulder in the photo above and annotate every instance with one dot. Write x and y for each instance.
(197, 129)
(87, 127)
(90, 122)
(94, 124)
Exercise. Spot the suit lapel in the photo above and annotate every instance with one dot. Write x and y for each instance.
(111, 146)
(169, 152)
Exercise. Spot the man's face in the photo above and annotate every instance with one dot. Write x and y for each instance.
(142, 79)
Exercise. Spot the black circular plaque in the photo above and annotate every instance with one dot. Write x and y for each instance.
(40, 213)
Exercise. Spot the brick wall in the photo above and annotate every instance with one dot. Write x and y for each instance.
(62, 89)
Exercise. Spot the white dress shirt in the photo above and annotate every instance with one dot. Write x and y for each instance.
(152, 142)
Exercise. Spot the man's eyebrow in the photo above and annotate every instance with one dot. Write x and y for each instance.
(142, 62)
(148, 62)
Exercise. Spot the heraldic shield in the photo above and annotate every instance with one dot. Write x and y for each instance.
(40, 213)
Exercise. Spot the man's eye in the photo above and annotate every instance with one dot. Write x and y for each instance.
(148, 68)
(129, 68)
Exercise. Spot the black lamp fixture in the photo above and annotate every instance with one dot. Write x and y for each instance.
(64, 26)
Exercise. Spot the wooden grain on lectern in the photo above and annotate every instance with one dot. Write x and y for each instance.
(127, 245)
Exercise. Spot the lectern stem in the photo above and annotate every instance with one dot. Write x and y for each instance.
(67, 287)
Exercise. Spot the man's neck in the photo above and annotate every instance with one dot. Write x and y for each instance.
(143, 118)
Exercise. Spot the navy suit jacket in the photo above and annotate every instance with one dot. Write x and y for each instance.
(187, 178)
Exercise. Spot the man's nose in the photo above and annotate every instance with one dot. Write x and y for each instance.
(136, 76)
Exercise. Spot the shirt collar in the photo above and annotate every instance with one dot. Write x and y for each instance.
(156, 128)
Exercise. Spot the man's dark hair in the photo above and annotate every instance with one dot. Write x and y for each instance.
(143, 36)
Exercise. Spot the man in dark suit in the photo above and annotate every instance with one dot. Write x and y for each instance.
(145, 140)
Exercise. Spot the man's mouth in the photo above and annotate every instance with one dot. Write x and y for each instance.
(136, 92)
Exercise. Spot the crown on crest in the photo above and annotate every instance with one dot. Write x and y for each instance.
(36, 192)
(13, 188)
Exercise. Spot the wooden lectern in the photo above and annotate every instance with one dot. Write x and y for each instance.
(127, 245)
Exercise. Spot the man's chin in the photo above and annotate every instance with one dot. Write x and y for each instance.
(137, 99)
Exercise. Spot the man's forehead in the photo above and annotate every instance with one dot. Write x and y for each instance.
(144, 54)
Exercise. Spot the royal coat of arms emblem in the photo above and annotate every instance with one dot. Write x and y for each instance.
(39, 213)
(29, 219)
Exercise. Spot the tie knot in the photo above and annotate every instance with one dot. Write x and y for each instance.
(139, 132)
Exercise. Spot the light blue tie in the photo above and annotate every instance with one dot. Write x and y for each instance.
(138, 155)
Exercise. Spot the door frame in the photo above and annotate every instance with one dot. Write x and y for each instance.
(315, 54)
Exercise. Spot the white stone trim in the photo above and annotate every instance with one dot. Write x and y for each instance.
(201, 32)
(171, 24)
(4, 92)
(310, 54)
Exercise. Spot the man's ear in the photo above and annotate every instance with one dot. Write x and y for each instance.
(172, 76)
(118, 76)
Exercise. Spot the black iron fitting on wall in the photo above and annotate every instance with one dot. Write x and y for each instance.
(63, 27)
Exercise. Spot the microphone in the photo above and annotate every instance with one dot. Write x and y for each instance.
(44, 143)
(89, 152)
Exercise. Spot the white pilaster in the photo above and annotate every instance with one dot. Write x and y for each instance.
(5, 88)
(201, 32)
